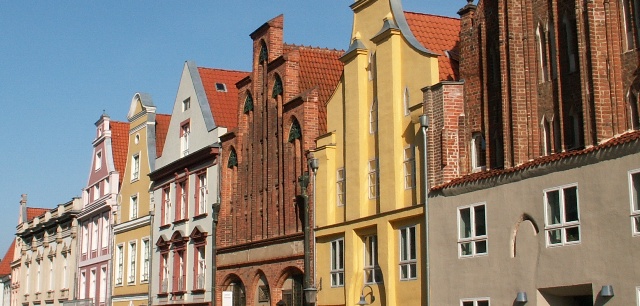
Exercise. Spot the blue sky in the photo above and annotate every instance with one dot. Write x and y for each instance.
(63, 62)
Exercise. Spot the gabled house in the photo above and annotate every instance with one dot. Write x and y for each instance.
(185, 185)
(132, 224)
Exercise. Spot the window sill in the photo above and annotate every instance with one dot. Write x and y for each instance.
(180, 221)
(200, 216)
(197, 291)
(166, 226)
(135, 179)
(163, 294)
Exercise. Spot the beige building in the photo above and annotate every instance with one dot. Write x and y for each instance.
(132, 228)
(43, 272)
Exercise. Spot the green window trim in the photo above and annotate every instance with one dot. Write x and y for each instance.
(248, 103)
(295, 132)
(233, 159)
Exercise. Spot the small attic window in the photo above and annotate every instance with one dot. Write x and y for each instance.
(221, 87)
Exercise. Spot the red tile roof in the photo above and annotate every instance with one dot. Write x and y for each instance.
(162, 126)
(321, 68)
(223, 104)
(438, 34)
(5, 264)
(33, 212)
(119, 145)
(616, 141)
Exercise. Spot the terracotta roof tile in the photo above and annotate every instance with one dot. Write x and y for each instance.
(223, 104)
(33, 212)
(438, 34)
(120, 145)
(618, 140)
(162, 126)
(5, 264)
(321, 68)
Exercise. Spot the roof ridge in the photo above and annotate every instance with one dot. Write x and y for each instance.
(314, 48)
(223, 69)
(434, 15)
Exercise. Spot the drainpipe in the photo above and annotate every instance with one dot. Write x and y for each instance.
(215, 210)
(424, 125)
(152, 214)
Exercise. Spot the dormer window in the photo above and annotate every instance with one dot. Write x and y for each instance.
(186, 104)
(221, 87)
(184, 139)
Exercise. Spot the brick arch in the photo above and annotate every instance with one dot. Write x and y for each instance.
(286, 273)
(524, 218)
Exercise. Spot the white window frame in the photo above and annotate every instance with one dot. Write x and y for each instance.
(638, 295)
(85, 237)
(634, 200)
(373, 117)
(131, 265)
(372, 272)
(83, 284)
(38, 274)
(201, 266)
(478, 145)
(98, 161)
(133, 207)
(167, 204)
(563, 225)
(407, 242)
(119, 281)
(105, 230)
(202, 193)
(145, 266)
(341, 181)
(474, 239)
(65, 271)
(103, 284)
(374, 178)
(96, 191)
(185, 130)
(92, 283)
(409, 166)
(51, 274)
(135, 167)
(475, 301)
(186, 104)
(95, 226)
(337, 262)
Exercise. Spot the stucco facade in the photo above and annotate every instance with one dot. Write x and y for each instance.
(46, 255)
(185, 186)
(132, 229)
(369, 214)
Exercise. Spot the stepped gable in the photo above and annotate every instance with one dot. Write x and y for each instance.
(438, 34)
(613, 142)
(119, 145)
(162, 127)
(5, 264)
(321, 68)
(223, 103)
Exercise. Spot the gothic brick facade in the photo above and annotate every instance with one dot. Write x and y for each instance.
(281, 111)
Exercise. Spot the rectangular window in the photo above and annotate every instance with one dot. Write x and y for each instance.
(38, 277)
(472, 230)
(134, 207)
(166, 204)
(475, 302)
(409, 165)
(181, 201)
(105, 230)
(96, 191)
(103, 285)
(186, 104)
(408, 253)
(83, 284)
(145, 260)
(201, 194)
(634, 188)
(373, 179)
(340, 186)
(164, 272)
(184, 139)
(94, 236)
(132, 261)
(65, 266)
(51, 278)
(119, 264)
(372, 272)
(337, 263)
(92, 284)
(85, 237)
(135, 167)
(200, 267)
(98, 161)
(562, 216)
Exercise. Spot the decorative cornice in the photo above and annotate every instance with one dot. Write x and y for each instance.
(132, 224)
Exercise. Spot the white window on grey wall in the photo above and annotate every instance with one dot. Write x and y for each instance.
(562, 215)
(472, 230)
(337, 263)
(185, 130)
(408, 253)
(475, 302)
(186, 104)
(634, 189)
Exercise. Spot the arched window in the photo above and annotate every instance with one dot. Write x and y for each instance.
(541, 39)
(248, 103)
(570, 35)
(264, 53)
(373, 117)
(233, 159)
(295, 132)
(546, 136)
(277, 87)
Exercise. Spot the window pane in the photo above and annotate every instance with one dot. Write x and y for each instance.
(637, 223)
(571, 204)
(481, 247)
(554, 237)
(465, 223)
(480, 220)
(404, 273)
(573, 234)
(483, 303)
(403, 244)
(469, 303)
(634, 192)
(412, 243)
(553, 207)
(465, 248)
(340, 254)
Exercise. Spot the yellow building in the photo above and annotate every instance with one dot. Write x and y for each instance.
(132, 229)
(369, 213)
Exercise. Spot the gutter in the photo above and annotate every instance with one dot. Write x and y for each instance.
(424, 125)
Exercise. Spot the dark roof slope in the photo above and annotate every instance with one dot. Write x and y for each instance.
(162, 127)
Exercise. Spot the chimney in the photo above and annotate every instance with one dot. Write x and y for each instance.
(23, 209)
